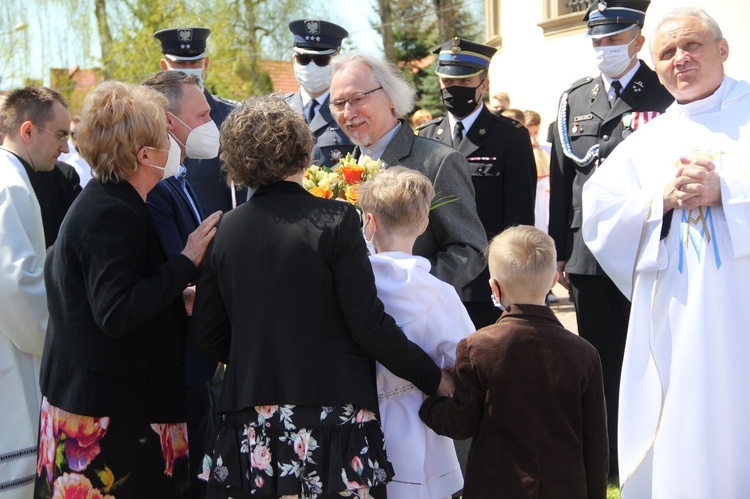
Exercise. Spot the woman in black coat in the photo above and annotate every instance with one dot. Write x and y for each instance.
(112, 374)
(286, 297)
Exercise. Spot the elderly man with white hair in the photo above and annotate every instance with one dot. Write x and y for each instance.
(667, 218)
(368, 98)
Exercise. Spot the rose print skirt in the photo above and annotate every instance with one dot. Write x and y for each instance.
(107, 458)
(296, 451)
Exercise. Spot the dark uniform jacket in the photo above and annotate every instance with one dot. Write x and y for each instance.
(330, 141)
(589, 121)
(530, 394)
(206, 176)
(503, 172)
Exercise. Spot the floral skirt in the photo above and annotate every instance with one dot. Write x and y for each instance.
(108, 458)
(296, 451)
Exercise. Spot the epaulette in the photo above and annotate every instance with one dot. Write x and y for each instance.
(227, 101)
(507, 121)
(435, 121)
(579, 83)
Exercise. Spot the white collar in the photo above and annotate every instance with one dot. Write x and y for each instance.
(306, 97)
(709, 104)
(624, 80)
(467, 121)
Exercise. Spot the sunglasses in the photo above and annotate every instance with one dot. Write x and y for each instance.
(320, 60)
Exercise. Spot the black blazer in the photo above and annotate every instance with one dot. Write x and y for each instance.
(115, 338)
(55, 190)
(286, 297)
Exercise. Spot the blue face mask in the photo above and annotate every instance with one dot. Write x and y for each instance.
(192, 71)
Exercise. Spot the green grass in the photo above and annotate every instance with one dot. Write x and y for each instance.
(613, 490)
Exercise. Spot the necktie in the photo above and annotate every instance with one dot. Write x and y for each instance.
(458, 134)
(618, 89)
(309, 110)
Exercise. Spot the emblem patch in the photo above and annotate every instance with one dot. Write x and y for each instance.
(185, 35)
(312, 27)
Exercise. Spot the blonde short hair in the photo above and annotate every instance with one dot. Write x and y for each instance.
(400, 197)
(523, 259)
(264, 141)
(117, 120)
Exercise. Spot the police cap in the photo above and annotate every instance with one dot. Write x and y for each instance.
(609, 17)
(459, 58)
(314, 36)
(183, 44)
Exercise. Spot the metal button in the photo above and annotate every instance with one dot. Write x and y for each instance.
(605, 137)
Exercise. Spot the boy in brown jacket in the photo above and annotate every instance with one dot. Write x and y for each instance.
(528, 391)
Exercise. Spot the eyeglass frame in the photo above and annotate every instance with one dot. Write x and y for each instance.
(63, 139)
(325, 59)
(356, 100)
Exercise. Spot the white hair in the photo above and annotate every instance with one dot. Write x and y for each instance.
(401, 94)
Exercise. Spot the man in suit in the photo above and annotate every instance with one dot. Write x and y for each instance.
(56, 190)
(368, 96)
(498, 149)
(177, 212)
(315, 42)
(595, 115)
(184, 50)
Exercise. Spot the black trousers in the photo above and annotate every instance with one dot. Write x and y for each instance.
(602, 312)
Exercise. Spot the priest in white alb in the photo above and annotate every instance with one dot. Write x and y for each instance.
(669, 221)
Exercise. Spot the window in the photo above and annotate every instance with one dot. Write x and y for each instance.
(563, 16)
(492, 23)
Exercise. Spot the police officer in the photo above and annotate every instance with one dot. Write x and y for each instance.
(498, 150)
(315, 42)
(184, 50)
(595, 115)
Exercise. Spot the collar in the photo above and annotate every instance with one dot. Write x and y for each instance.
(624, 80)
(306, 97)
(467, 121)
(542, 311)
(377, 148)
(710, 104)
(26, 166)
(181, 172)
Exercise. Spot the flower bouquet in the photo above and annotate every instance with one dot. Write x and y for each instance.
(340, 181)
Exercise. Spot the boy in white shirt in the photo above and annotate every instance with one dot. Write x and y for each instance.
(396, 205)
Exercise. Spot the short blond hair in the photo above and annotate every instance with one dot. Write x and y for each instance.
(118, 120)
(523, 259)
(400, 197)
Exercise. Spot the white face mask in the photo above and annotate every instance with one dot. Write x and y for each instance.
(368, 242)
(172, 166)
(202, 141)
(312, 77)
(192, 71)
(614, 60)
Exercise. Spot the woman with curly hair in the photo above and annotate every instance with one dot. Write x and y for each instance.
(286, 298)
(112, 374)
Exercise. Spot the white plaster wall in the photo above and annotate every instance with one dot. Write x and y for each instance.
(535, 71)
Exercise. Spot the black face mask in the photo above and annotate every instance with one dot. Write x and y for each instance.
(460, 101)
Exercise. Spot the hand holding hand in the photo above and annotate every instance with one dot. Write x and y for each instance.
(445, 389)
(696, 183)
(188, 296)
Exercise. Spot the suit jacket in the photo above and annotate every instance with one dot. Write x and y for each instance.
(286, 297)
(56, 190)
(531, 395)
(115, 341)
(207, 176)
(454, 239)
(503, 172)
(591, 121)
(331, 143)
(170, 207)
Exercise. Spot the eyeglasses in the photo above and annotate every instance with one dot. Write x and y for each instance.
(320, 60)
(355, 100)
(62, 138)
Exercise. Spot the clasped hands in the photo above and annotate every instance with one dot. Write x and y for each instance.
(696, 183)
